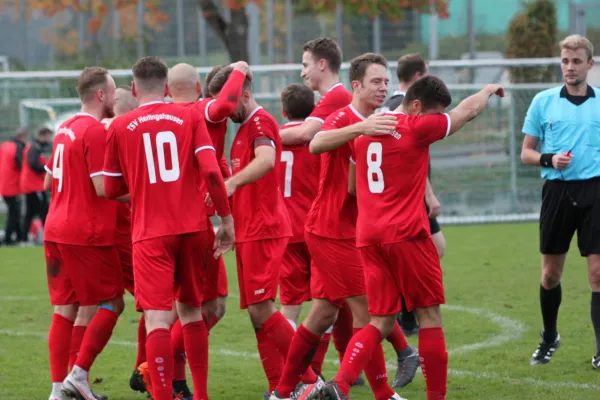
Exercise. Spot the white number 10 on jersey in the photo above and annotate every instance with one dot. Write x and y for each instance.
(162, 139)
(374, 172)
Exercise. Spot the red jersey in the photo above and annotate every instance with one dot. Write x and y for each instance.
(32, 180)
(335, 98)
(77, 215)
(299, 179)
(153, 148)
(391, 173)
(258, 208)
(333, 213)
(9, 170)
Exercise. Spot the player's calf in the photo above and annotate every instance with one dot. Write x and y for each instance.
(432, 351)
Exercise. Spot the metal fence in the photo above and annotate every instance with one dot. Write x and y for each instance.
(477, 173)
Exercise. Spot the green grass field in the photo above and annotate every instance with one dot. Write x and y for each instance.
(492, 324)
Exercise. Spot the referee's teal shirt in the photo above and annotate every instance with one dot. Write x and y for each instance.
(561, 125)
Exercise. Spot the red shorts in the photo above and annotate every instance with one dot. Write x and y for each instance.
(294, 277)
(215, 275)
(340, 272)
(169, 268)
(86, 275)
(125, 256)
(258, 264)
(409, 268)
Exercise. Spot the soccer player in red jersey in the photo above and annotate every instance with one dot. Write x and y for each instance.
(262, 225)
(400, 257)
(159, 153)
(81, 235)
(321, 61)
(185, 87)
(299, 180)
(332, 242)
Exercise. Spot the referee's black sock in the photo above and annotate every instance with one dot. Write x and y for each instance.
(595, 312)
(550, 301)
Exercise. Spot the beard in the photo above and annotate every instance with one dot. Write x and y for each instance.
(239, 117)
(108, 111)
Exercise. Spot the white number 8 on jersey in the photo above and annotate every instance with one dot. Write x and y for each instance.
(374, 172)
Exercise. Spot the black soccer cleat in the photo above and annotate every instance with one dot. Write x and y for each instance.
(136, 382)
(331, 391)
(596, 361)
(360, 381)
(543, 354)
(408, 363)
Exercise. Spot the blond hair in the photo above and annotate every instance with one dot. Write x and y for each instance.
(576, 42)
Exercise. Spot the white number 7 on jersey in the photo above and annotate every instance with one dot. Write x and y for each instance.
(288, 158)
(162, 138)
(374, 159)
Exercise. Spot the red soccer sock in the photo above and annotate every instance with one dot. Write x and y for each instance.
(271, 359)
(397, 338)
(361, 348)
(319, 358)
(376, 370)
(59, 340)
(141, 343)
(76, 339)
(302, 350)
(434, 362)
(281, 333)
(342, 330)
(195, 336)
(177, 343)
(96, 337)
(160, 363)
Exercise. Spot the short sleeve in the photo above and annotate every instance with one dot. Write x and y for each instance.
(202, 139)
(261, 126)
(94, 143)
(335, 121)
(532, 125)
(112, 166)
(327, 105)
(430, 128)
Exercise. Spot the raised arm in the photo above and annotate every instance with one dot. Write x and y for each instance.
(472, 106)
(223, 105)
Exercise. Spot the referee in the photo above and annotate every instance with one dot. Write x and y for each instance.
(412, 67)
(566, 121)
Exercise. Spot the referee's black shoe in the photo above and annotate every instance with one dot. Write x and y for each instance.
(543, 354)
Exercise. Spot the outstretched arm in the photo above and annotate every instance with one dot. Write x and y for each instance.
(472, 106)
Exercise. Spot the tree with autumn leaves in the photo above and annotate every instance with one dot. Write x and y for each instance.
(231, 31)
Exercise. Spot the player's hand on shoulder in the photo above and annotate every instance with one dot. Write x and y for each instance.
(561, 161)
(225, 237)
(379, 124)
(494, 89)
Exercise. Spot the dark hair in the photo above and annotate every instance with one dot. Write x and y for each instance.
(298, 101)
(409, 65)
(430, 90)
(44, 131)
(90, 80)
(150, 73)
(359, 65)
(327, 49)
(209, 78)
(218, 81)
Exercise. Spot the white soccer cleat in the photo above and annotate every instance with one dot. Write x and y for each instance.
(76, 386)
(396, 396)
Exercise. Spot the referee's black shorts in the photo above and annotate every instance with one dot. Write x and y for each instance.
(569, 207)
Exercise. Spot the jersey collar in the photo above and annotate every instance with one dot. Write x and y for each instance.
(251, 114)
(150, 103)
(355, 111)
(83, 114)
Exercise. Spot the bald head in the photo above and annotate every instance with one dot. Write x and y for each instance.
(124, 101)
(184, 83)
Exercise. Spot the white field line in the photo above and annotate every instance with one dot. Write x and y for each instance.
(510, 330)
(490, 376)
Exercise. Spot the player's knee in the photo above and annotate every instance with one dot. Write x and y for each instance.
(221, 308)
(85, 315)
(550, 277)
(384, 324)
(429, 317)
(209, 309)
(594, 272)
(68, 311)
(116, 305)
(261, 312)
